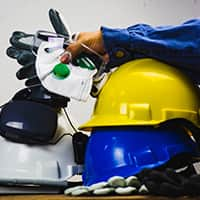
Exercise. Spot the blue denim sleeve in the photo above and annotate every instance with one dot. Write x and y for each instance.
(176, 45)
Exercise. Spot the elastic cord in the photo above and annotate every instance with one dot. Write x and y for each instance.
(69, 120)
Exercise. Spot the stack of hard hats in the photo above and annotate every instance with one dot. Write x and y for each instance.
(142, 119)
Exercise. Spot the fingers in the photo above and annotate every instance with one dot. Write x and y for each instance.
(72, 51)
(88, 42)
(106, 58)
(26, 72)
(75, 48)
(66, 57)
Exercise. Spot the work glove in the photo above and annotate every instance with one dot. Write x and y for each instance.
(192, 185)
(115, 185)
(167, 182)
(58, 24)
(170, 182)
(22, 49)
(23, 46)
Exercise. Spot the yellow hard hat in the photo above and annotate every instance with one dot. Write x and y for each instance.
(145, 92)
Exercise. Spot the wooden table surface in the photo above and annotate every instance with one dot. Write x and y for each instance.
(63, 197)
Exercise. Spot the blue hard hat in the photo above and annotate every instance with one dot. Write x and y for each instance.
(125, 151)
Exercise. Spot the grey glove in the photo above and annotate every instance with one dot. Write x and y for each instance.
(23, 45)
(22, 49)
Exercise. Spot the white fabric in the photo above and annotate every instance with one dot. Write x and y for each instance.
(100, 81)
(77, 85)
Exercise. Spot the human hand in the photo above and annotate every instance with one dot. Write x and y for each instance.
(83, 41)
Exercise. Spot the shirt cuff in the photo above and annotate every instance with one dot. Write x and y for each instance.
(117, 44)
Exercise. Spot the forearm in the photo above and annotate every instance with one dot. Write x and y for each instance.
(176, 45)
